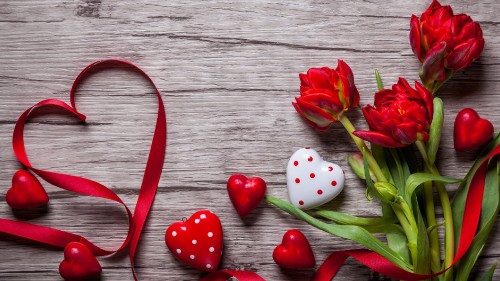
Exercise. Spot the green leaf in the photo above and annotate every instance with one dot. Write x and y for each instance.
(379, 155)
(342, 218)
(417, 179)
(422, 265)
(370, 187)
(351, 232)
(380, 85)
(396, 241)
(488, 275)
(435, 131)
(372, 225)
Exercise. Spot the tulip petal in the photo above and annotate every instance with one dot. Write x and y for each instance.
(407, 132)
(415, 37)
(427, 97)
(319, 78)
(464, 54)
(378, 139)
(433, 66)
(314, 115)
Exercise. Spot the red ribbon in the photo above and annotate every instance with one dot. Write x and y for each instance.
(378, 263)
(80, 185)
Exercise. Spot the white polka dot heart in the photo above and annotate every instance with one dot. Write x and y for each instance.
(311, 181)
(197, 241)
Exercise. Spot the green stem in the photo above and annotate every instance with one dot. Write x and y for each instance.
(362, 146)
(433, 234)
(409, 227)
(431, 216)
(447, 214)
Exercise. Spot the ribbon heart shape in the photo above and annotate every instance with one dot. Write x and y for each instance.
(83, 186)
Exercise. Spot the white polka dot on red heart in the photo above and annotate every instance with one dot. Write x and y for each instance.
(191, 257)
(210, 234)
(174, 233)
(194, 242)
(197, 221)
(178, 251)
(209, 266)
(212, 249)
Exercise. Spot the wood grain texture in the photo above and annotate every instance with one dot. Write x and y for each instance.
(228, 73)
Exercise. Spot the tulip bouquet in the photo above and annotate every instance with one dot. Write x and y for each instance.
(399, 167)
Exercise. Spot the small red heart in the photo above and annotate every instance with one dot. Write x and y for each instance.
(294, 251)
(470, 131)
(26, 192)
(245, 193)
(79, 263)
(197, 241)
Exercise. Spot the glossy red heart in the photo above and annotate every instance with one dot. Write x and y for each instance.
(470, 131)
(79, 263)
(245, 193)
(197, 241)
(294, 251)
(26, 192)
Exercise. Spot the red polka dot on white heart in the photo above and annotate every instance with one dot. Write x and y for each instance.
(314, 176)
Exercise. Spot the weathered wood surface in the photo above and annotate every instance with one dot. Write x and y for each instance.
(228, 72)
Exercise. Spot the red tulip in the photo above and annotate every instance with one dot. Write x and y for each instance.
(400, 116)
(444, 42)
(325, 94)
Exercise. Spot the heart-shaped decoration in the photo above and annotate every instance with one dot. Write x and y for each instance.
(294, 251)
(26, 192)
(471, 131)
(311, 181)
(79, 263)
(245, 193)
(197, 241)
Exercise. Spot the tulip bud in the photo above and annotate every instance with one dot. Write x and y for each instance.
(388, 192)
(356, 162)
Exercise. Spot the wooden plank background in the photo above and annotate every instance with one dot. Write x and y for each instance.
(228, 71)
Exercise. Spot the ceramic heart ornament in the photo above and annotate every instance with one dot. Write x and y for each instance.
(245, 193)
(294, 251)
(26, 192)
(79, 263)
(197, 241)
(311, 181)
(471, 131)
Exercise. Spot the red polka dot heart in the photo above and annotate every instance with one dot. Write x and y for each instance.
(197, 241)
(312, 181)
